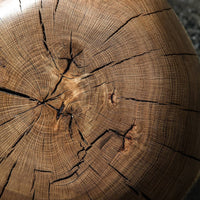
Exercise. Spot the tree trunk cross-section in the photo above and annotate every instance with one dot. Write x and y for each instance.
(99, 99)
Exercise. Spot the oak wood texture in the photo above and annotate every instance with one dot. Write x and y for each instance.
(99, 99)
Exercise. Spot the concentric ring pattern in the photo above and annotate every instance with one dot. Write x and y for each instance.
(98, 100)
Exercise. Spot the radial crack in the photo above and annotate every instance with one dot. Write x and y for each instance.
(180, 152)
(118, 171)
(101, 67)
(19, 94)
(159, 103)
(64, 178)
(20, 5)
(158, 11)
(45, 39)
(121, 27)
(138, 55)
(5, 185)
(56, 6)
(82, 137)
(180, 54)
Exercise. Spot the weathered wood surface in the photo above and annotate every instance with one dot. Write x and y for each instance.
(99, 99)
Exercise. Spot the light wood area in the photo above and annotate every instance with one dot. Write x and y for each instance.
(99, 100)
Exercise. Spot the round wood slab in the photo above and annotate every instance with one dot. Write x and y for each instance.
(99, 100)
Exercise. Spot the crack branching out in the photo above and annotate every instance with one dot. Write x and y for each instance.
(7, 181)
(69, 62)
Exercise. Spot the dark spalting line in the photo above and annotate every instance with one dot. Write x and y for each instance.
(180, 54)
(64, 178)
(101, 67)
(158, 11)
(82, 137)
(19, 94)
(145, 196)
(5, 185)
(94, 170)
(45, 39)
(41, 4)
(33, 197)
(180, 152)
(133, 189)
(20, 5)
(122, 27)
(118, 171)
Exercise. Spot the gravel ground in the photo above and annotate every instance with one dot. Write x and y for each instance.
(188, 12)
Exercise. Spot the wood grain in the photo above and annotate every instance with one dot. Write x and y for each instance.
(98, 100)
